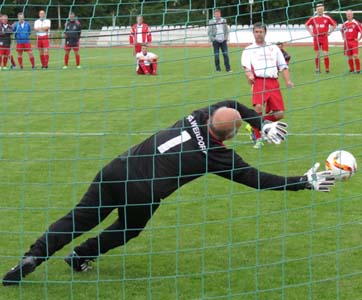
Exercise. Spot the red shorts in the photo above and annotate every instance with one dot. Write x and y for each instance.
(68, 47)
(266, 91)
(43, 42)
(4, 51)
(320, 43)
(143, 69)
(350, 47)
(23, 47)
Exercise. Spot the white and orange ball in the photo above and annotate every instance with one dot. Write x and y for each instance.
(342, 164)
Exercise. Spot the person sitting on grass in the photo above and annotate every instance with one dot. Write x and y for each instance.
(146, 62)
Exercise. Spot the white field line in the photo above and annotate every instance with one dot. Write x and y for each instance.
(60, 134)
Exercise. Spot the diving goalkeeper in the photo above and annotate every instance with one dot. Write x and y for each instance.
(136, 181)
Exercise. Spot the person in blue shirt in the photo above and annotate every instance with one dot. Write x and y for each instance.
(22, 31)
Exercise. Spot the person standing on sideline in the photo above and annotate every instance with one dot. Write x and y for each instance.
(5, 42)
(262, 62)
(320, 27)
(218, 32)
(22, 31)
(72, 34)
(352, 34)
(136, 182)
(146, 62)
(140, 34)
(42, 28)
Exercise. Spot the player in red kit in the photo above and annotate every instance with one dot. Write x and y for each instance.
(320, 27)
(351, 29)
(146, 62)
(42, 28)
(262, 63)
(140, 34)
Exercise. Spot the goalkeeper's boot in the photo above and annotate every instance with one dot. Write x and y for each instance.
(78, 263)
(258, 144)
(26, 266)
(250, 130)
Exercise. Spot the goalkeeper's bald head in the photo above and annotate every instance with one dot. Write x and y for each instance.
(224, 123)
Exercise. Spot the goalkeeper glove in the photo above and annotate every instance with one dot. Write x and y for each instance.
(319, 181)
(274, 132)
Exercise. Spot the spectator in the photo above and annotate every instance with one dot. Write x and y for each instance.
(218, 32)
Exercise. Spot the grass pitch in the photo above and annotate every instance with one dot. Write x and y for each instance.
(212, 239)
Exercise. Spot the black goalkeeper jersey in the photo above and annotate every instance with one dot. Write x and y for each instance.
(158, 166)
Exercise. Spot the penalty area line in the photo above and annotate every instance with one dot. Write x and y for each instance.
(75, 134)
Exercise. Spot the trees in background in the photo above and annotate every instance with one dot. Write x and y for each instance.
(97, 13)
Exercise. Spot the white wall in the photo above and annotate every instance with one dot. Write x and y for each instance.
(177, 35)
(292, 33)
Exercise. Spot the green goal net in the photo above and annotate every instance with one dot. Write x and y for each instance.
(212, 238)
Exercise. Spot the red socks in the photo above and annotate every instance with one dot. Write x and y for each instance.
(66, 59)
(5, 60)
(358, 65)
(317, 67)
(32, 61)
(326, 63)
(12, 61)
(351, 65)
(44, 59)
(154, 68)
(20, 61)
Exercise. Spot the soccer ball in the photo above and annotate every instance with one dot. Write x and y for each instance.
(342, 164)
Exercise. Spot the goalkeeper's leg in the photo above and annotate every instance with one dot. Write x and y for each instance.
(132, 220)
(96, 205)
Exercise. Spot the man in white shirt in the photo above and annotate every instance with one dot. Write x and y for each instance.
(146, 62)
(42, 28)
(262, 63)
(218, 32)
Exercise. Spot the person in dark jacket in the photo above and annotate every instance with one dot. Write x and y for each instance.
(5, 41)
(72, 34)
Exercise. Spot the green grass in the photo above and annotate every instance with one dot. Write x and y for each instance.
(212, 239)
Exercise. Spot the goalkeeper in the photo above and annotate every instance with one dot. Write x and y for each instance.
(136, 181)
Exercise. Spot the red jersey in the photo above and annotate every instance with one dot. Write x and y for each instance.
(140, 33)
(351, 29)
(321, 25)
